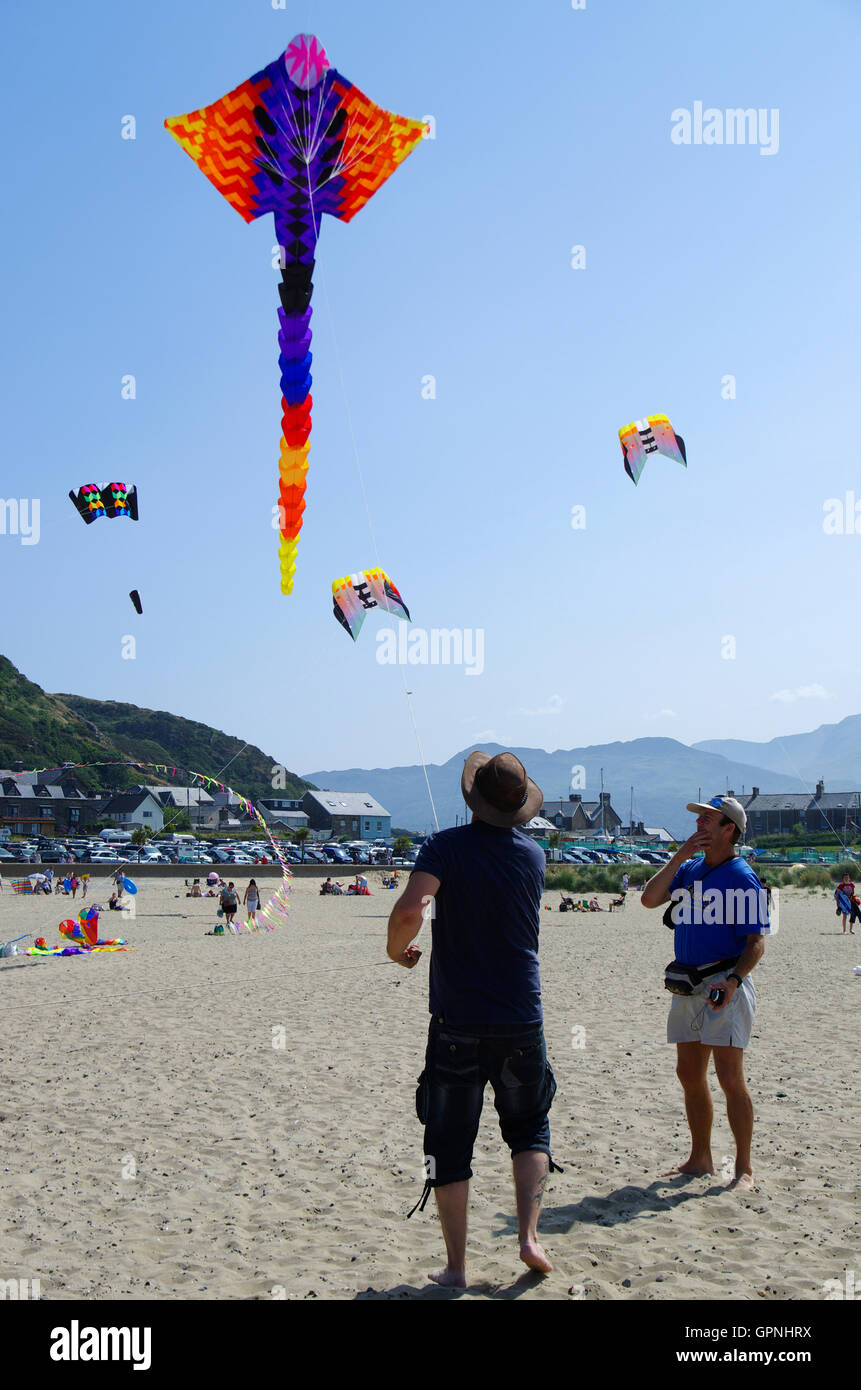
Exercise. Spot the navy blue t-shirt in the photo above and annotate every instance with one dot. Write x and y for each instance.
(484, 958)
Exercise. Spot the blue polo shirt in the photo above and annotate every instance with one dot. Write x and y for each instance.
(716, 918)
(484, 957)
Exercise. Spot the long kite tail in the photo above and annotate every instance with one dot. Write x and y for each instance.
(294, 343)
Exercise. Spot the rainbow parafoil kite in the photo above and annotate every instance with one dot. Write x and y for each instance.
(654, 435)
(114, 499)
(356, 594)
(297, 140)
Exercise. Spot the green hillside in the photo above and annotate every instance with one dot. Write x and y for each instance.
(42, 730)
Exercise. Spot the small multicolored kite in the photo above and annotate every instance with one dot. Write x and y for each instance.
(297, 140)
(114, 499)
(654, 435)
(356, 594)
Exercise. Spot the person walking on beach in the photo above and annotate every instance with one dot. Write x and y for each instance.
(251, 899)
(481, 885)
(229, 902)
(719, 932)
(843, 895)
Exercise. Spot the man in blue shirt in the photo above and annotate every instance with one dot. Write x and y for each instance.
(720, 918)
(481, 886)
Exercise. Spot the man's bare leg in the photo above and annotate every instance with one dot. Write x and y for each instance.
(530, 1175)
(692, 1070)
(451, 1201)
(729, 1065)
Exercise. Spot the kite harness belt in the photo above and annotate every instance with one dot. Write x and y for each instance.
(684, 979)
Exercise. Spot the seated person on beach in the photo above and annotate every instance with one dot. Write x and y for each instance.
(594, 905)
(195, 891)
(114, 902)
(326, 887)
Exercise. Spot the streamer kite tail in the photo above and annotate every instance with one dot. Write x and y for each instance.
(297, 140)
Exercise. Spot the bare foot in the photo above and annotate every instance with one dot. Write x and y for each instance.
(532, 1255)
(449, 1278)
(691, 1170)
(742, 1182)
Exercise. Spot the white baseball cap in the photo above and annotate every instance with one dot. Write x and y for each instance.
(727, 805)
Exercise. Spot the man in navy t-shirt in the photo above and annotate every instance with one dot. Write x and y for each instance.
(480, 885)
(719, 915)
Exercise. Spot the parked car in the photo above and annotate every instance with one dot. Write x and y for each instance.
(335, 856)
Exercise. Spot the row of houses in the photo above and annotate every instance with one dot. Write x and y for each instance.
(779, 813)
(768, 813)
(58, 803)
(588, 820)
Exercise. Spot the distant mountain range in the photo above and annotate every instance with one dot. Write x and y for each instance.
(41, 730)
(665, 775)
(832, 752)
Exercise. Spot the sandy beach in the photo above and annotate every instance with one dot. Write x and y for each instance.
(208, 1118)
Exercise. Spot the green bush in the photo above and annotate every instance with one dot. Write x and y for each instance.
(597, 878)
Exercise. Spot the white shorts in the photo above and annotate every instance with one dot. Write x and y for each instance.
(692, 1018)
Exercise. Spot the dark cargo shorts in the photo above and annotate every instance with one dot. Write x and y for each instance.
(458, 1065)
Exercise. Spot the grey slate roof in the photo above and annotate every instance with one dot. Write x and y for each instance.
(336, 803)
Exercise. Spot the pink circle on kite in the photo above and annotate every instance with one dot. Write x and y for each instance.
(306, 61)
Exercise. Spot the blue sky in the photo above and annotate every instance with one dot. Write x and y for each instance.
(701, 261)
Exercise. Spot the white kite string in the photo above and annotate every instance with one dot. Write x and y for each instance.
(407, 692)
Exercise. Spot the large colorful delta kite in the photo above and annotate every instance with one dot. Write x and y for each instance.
(356, 594)
(114, 499)
(276, 911)
(296, 140)
(654, 435)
